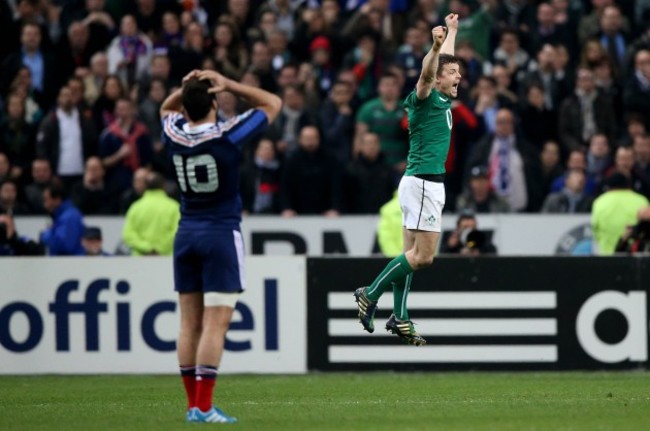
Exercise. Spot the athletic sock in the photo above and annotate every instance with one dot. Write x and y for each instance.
(396, 269)
(206, 377)
(188, 374)
(401, 290)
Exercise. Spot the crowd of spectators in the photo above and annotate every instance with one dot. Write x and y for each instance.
(555, 98)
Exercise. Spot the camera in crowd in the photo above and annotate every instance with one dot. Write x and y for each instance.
(467, 239)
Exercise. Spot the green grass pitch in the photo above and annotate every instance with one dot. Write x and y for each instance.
(616, 401)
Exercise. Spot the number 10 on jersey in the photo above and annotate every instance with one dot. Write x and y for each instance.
(186, 173)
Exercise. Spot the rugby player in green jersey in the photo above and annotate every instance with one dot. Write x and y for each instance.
(421, 191)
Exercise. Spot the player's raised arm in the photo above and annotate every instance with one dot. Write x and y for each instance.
(430, 65)
(173, 103)
(267, 102)
(451, 21)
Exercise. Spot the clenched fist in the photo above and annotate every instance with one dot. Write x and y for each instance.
(438, 37)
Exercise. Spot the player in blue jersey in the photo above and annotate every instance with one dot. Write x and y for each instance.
(208, 249)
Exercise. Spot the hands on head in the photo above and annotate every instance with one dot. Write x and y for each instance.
(218, 81)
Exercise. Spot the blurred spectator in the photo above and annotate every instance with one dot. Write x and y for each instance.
(104, 107)
(148, 15)
(41, 64)
(135, 192)
(293, 117)
(613, 211)
(591, 24)
(77, 90)
(612, 36)
(636, 96)
(585, 113)
(550, 164)
(95, 77)
(130, 52)
(241, 12)
(466, 239)
(427, 10)
(260, 180)
(124, 147)
(149, 109)
(9, 199)
(543, 74)
(599, 158)
(189, 55)
(624, 164)
(573, 198)
(307, 82)
(592, 54)
(12, 244)
(287, 75)
(376, 16)
(321, 60)
(506, 88)
(538, 123)
(546, 29)
(262, 66)
(228, 51)
(63, 237)
(383, 116)
(410, 55)
(474, 26)
(487, 102)
(171, 34)
(366, 61)
(151, 222)
(636, 239)
(610, 87)
(279, 50)
(22, 86)
(369, 182)
(479, 197)
(576, 160)
(160, 68)
(509, 52)
(512, 164)
(91, 195)
(311, 179)
(473, 65)
(91, 241)
(266, 23)
(5, 167)
(641, 149)
(17, 137)
(337, 118)
(465, 130)
(389, 228)
(100, 24)
(66, 138)
(635, 126)
(77, 49)
(41, 176)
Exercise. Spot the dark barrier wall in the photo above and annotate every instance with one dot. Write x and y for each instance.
(487, 314)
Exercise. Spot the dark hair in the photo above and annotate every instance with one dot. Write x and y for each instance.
(196, 99)
(445, 59)
(56, 189)
(465, 214)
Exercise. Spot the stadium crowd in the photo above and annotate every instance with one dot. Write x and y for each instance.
(555, 99)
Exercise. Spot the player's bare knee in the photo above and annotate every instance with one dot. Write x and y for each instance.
(422, 261)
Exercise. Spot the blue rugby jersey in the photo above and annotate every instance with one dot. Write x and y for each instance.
(206, 161)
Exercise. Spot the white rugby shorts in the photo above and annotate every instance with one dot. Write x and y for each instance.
(421, 202)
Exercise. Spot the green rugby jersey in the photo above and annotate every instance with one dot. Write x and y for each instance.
(429, 133)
